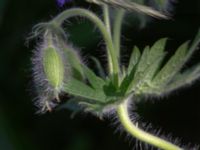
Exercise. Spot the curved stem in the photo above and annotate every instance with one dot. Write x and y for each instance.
(140, 134)
(117, 30)
(106, 15)
(112, 58)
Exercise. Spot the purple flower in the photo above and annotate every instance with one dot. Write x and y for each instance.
(62, 2)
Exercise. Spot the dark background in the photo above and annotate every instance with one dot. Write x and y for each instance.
(22, 129)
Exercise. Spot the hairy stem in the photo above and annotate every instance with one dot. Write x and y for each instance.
(106, 18)
(117, 30)
(140, 134)
(112, 58)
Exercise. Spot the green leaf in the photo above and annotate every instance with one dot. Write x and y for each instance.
(157, 49)
(126, 82)
(142, 64)
(135, 75)
(184, 79)
(148, 58)
(96, 82)
(145, 83)
(148, 65)
(134, 59)
(99, 67)
(180, 80)
(75, 63)
(172, 67)
(80, 89)
(153, 69)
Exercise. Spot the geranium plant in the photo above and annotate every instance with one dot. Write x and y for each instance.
(58, 68)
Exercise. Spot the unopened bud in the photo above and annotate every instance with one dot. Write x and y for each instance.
(53, 67)
(51, 71)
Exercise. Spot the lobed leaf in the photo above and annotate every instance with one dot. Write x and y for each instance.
(148, 65)
(80, 89)
(129, 80)
(142, 64)
(149, 74)
(134, 59)
(184, 79)
(157, 49)
(172, 67)
(96, 82)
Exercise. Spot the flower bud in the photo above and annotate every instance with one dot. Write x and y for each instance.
(53, 67)
(51, 71)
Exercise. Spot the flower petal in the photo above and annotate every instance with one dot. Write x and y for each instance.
(62, 2)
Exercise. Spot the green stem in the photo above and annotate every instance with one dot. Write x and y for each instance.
(112, 58)
(106, 16)
(117, 30)
(140, 134)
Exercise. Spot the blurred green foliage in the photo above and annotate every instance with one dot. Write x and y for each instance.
(22, 129)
